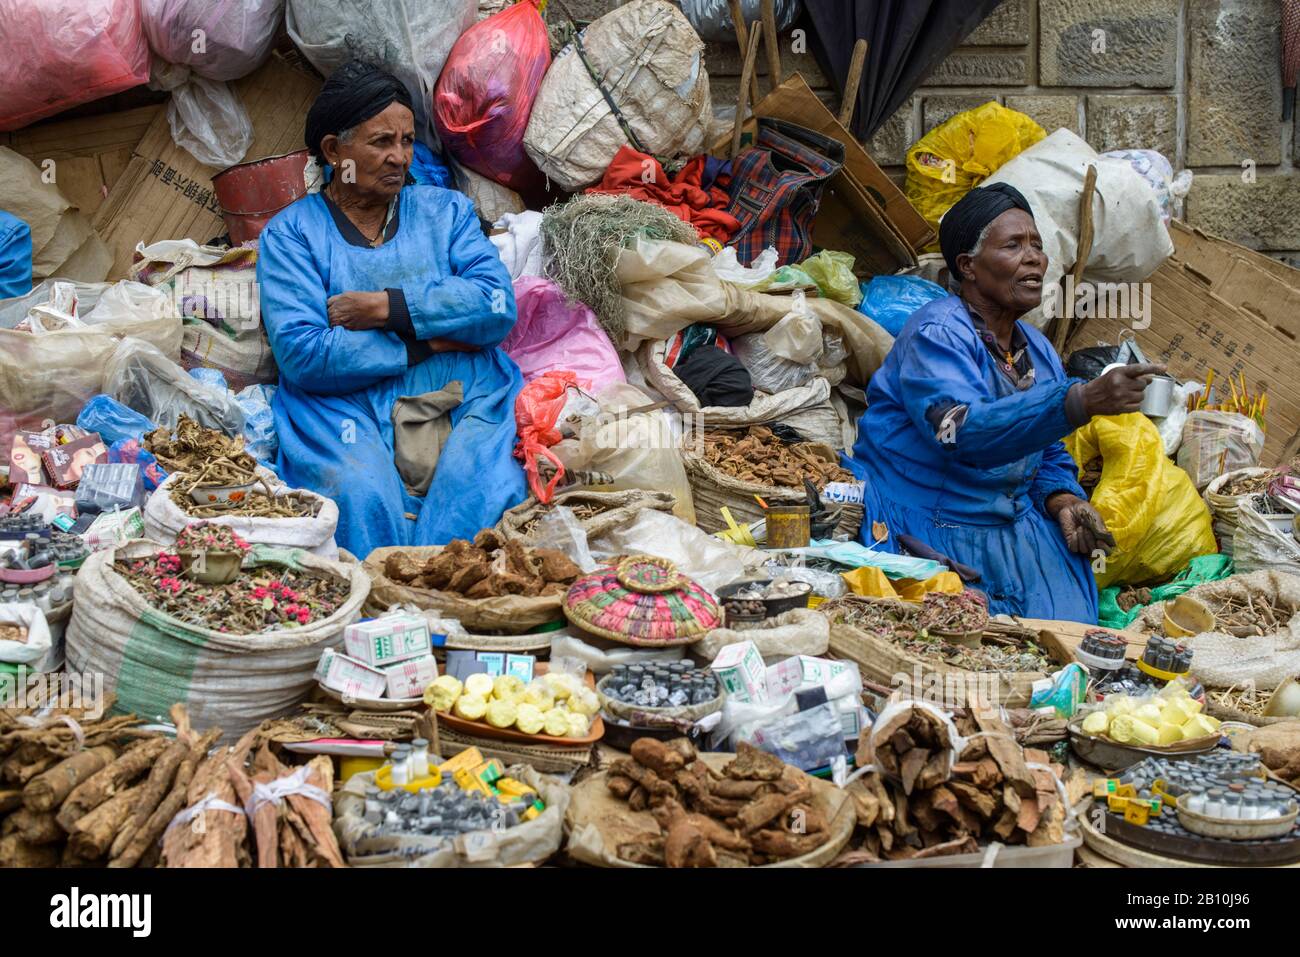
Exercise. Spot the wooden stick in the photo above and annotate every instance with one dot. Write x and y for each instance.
(849, 102)
(742, 41)
(91, 836)
(746, 75)
(147, 834)
(109, 780)
(47, 791)
(1067, 328)
(771, 41)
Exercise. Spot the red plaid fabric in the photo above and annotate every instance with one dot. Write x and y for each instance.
(776, 188)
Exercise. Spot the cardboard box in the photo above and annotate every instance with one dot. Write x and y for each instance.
(804, 671)
(350, 677)
(384, 641)
(739, 670)
(165, 193)
(90, 153)
(409, 678)
(521, 666)
(861, 189)
(1194, 329)
(493, 662)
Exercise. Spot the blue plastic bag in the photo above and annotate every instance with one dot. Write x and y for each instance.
(131, 452)
(112, 420)
(891, 300)
(260, 438)
(429, 169)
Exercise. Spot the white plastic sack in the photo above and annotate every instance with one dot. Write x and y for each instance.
(1258, 544)
(697, 554)
(164, 520)
(638, 449)
(217, 39)
(798, 336)
(142, 378)
(408, 38)
(652, 63)
(727, 267)
(1218, 442)
(1158, 172)
(1130, 239)
(63, 243)
(38, 642)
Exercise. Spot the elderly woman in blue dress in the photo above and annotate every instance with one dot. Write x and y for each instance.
(373, 290)
(961, 441)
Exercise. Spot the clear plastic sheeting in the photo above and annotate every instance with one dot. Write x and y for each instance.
(208, 121)
(697, 554)
(1218, 442)
(143, 379)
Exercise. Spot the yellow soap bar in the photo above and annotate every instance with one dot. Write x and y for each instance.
(1096, 723)
(467, 759)
(1149, 714)
(501, 712)
(1200, 726)
(1137, 812)
(529, 718)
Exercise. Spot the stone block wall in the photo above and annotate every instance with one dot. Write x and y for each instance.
(1198, 80)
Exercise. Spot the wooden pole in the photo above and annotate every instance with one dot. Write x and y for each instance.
(1066, 325)
(849, 102)
(772, 42)
(742, 41)
(746, 76)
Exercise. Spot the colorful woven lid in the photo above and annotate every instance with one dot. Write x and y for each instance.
(642, 601)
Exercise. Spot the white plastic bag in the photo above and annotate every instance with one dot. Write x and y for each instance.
(38, 640)
(208, 120)
(697, 554)
(1258, 544)
(1218, 442)
(142, 378)
(798, 336)
(727, 267)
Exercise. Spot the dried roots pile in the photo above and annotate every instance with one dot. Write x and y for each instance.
(105, 802)
(757, 455)
(207, 457)
(759, 810)
(917, 805)
(488, 567)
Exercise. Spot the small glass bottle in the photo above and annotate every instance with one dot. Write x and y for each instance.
(419, 758)
(1214, 802)
(1232, 806)
(1250, 808)
(1195, 799)
(401, 765)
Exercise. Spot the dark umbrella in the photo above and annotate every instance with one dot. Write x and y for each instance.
(908, 39)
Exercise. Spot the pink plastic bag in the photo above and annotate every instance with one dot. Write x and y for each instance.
(552, 333)
(56, 54)
(485, 95)
(237, 34)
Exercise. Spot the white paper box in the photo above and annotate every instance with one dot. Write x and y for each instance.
(384, 641)
(350, 677)
(409, 678)
(739, 670)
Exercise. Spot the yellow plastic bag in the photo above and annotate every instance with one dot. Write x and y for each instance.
(833, 273)
(956, 156)
(872, 583)
(1150, 505)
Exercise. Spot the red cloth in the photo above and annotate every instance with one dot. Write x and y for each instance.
(641, 177)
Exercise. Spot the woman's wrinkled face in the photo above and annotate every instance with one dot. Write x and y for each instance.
(374, 159)
(1009, 268)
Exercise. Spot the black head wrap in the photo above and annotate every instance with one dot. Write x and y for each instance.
(354, 93)
(960, 228)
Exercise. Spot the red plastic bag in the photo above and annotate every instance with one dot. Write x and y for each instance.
(485, 95)
(537, 416)
(56, 54)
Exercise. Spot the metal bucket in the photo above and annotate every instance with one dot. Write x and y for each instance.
(251, 193)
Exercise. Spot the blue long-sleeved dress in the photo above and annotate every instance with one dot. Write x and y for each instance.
(972, 484)
(15, 256)
(338, 387)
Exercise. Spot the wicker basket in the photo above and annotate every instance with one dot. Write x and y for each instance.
(882, 662)
(712, 489)
(642, 601)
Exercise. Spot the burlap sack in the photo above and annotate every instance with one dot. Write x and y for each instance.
(800, 631)
(615, 509)
(508, 615)
(528, 843)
